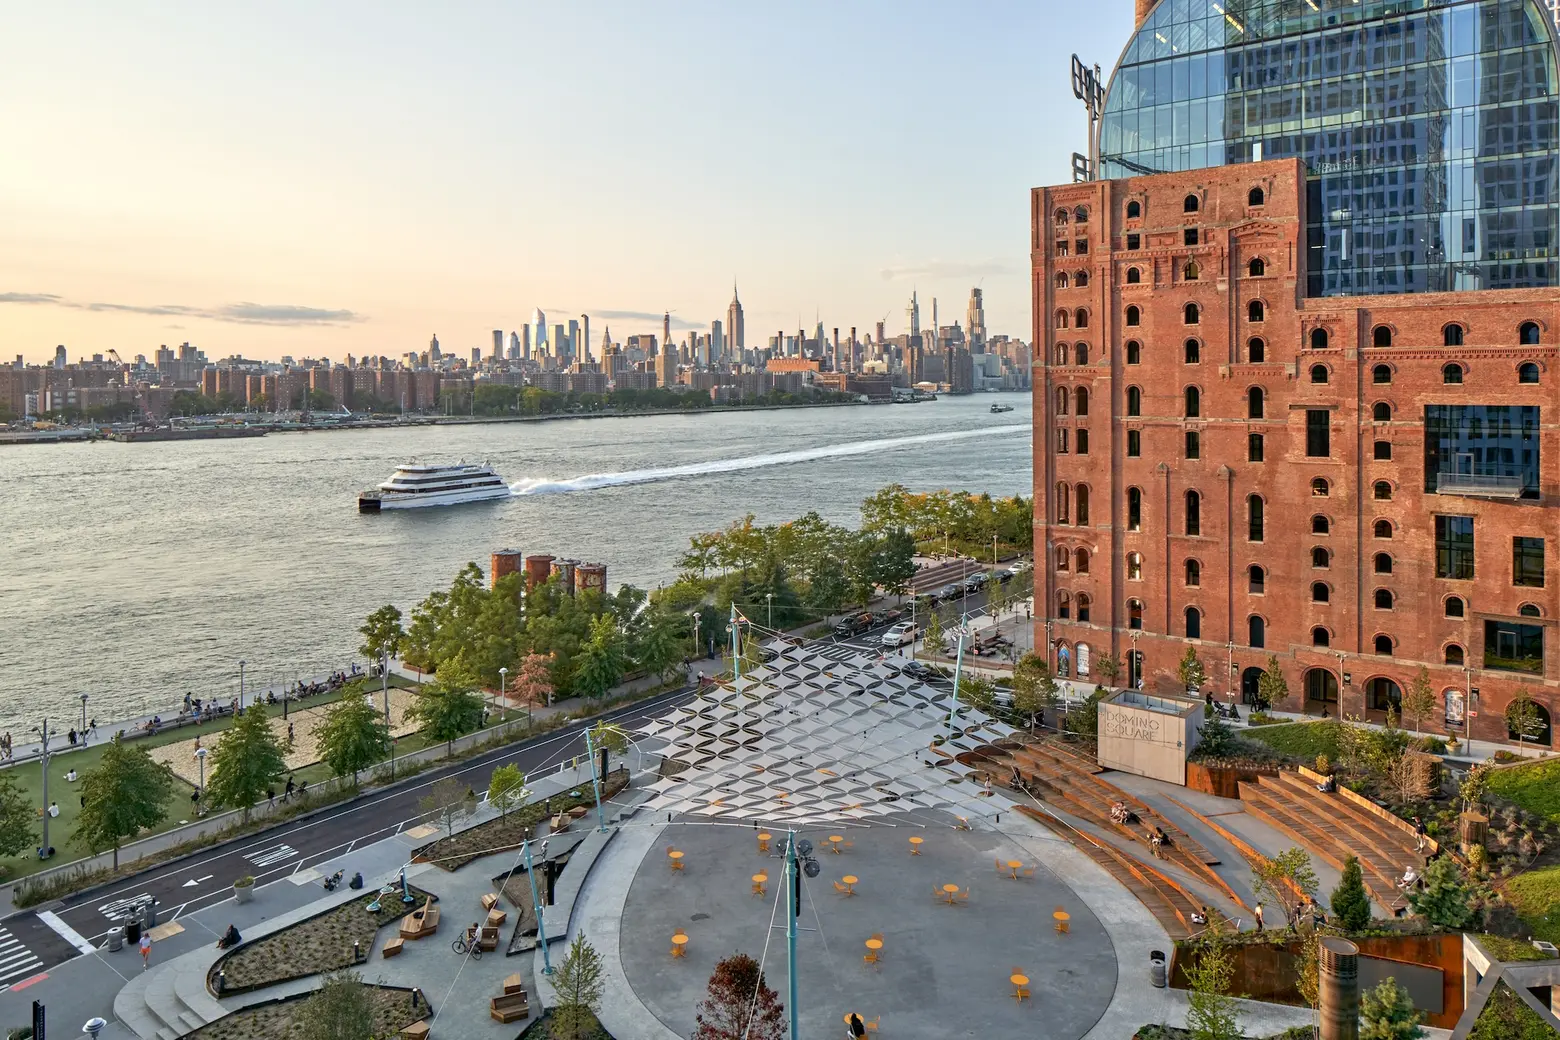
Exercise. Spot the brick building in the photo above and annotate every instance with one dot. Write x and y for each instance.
(1360, 486)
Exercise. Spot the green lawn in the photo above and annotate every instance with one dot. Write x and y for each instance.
(1536, 896)
(1535, 788)
(1300, 740)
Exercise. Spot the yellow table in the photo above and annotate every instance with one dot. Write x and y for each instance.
(850, 884)
(834, 843)
(1019, 982)
(950, 891)
(1013, 865)
(759, 880)
(679, 945)
(874, 952)
(915, 846)
(1061, 917)
(676, 857)
(763, 841)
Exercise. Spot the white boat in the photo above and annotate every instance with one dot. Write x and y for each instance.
(998, 409)
(416, 485)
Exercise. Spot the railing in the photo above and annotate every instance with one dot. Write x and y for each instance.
(1489, 485)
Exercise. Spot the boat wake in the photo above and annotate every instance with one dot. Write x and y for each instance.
(593, 481)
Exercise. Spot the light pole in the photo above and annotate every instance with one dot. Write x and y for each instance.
(241, 686)
(43, 851)
(384, 673)
(200, 759)
(769, 602)
(541, 923)
(83, 718)
(503, 684)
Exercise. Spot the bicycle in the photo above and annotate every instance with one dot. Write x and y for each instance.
(462, 947)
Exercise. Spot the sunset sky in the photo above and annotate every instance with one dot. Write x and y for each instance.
(325, 179)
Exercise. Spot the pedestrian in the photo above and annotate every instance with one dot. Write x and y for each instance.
(92, 728)
(291, 787)
(146, 950)
(1258, 911)
(303, 788)
(289, 733)
(1419, 834)
(270, 794)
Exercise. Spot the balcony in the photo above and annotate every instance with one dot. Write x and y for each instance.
(1480, 485)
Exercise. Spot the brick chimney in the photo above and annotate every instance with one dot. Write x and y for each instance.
(1143, 7)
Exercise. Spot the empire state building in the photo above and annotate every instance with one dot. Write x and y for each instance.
(734, 331)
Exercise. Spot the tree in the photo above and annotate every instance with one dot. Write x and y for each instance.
(1034, 690)
(341, 1009)
(1523, 716)
(1191, 670)
(1350, 904)
(599, 665)
(933, 641)
(1214, 1014)
(1419, 701)
(1272, 687)
(353, 736)
(448, 705)
(1474, 787)
(506, 789)
(1286, 879)
(125, 793)
(578, 985)
(1446, 900)
(660, 642)
(1108, 667)
(1387, 1013)
(1308, 973)
(246, 762)
(894, 562)
(977, 692)
(608, 737)
(16, 818)
(1411, 776)
(533, 686)
(447, 802)
(739, 1004)
(382, 633)
(1086, 720)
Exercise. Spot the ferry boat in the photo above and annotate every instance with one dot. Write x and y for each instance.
(998, 409)
(416, 485)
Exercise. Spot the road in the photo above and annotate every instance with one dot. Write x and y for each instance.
(207, 878)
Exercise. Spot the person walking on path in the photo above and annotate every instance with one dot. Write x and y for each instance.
(1258, 911)
(146, 950)
(1419, 834)
(270, 794)
(291, 787)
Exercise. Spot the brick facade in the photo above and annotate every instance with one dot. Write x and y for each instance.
(1259, 360)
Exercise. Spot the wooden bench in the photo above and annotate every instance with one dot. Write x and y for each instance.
(514, 984)
(416, 1031)
(489, 901)
(393, 947)
(509, 1008)
(495, 918)
(560, 822)
(488, 938)
(422, 922)
(578, 812)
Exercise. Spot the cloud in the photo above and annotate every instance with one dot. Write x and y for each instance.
(646, 316)
(236, 313)
(946, 269)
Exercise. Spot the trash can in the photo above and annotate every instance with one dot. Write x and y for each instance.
(149, 914)
(1158, 973)
(133, 932)
(116, 939)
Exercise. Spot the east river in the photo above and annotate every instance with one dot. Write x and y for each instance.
(137, 572)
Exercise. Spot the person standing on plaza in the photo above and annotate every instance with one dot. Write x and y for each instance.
(146, 950)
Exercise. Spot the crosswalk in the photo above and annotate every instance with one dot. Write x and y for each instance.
(16, 960)
(844, 651)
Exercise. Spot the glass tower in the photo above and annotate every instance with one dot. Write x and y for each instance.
(1428, 128)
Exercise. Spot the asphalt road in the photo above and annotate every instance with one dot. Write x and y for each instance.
(280, 851)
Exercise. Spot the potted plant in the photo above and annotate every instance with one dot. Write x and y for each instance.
(244, 888)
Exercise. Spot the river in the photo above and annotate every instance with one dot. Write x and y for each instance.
(136, 572)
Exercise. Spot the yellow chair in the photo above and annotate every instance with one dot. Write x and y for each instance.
(963, 824)
(872, 1023)
(841, 889)
(963, 897)
(870, 957)
(1029, 872)
(1002, 869)
(759, 889)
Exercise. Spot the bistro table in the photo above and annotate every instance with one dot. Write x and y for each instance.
(1019, 982)
(834, 843)
(949, 891)
(763, 841)
(850, 884)
(1013, 865)
(915, 845)
(679, 945)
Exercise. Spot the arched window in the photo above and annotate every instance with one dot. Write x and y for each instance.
(1321, 557)
(1381, 491)
(1383, 599)
(1318, 339)
(1381, 693)
(1256, 350)
(1321, 686)
(1134, 316)
(1319, 373)
(1134, 614)
(1383, 563)
(1134, 352)
(1193, 402)
(1383, 645)
(1254, 520)
(1190, 271)
(1254, 402)
(1256, 580)
(1134, 566)
(1257, 268)
(1455, 608)
(1081, 215)
(1134, 276)
(1381, 411)
(1193, 352)
(1254, 311)
(1134, 509)
(1528, 610)
(1059, 356)
(1081, 504)
(1381, 374)
(1320, 636)
(1063, 502)
(1382, 529)
(1060, 216)
(1320, 592)
(1193, 623)
(1190, 315)
(1255, 197)
(1082, 352)
(1081, 401)
(1527, 372)
(1190, 204)
(1193, 574)
(1063, 400)
(1083, 606)
(1256, 632)
(1061, 279)
(1134, 210)
(1063, 605)
(1134, 401)
(1080, 319)
(1452, 374)
(1081, 279)
(1320, 524)
(1454, 655)
(1063, 559)
(1381, 336)
(1527, 333)
(1452, 335)
(1320, 488)
(1061, 319)
(1081, 561)
(1193, 513)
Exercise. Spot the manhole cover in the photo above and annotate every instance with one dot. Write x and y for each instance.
(699, 917)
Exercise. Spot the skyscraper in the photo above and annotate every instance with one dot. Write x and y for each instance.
(433, 351)
(975, 320)
(538, 331)
(717, 340)
(498, 344)
(559, 341)
(574, 338)
(525, 342)
(666, 332)
(584, 341)
(514, 346)
(913, 316)
(735, 332)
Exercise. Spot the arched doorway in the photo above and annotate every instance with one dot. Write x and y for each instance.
(1382, 694)
(1251, 688)
(1321, 690)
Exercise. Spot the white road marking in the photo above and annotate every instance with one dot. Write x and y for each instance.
(69, 934)
(192, 882)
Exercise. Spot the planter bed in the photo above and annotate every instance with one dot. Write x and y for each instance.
(506, 833)
(276, 1021)
(319, 943)
(540, 1028)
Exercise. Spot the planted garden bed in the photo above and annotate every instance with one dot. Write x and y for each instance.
(279, 1020)
(506, 833)
(319, 943)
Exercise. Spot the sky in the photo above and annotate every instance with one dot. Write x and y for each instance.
(319, 179)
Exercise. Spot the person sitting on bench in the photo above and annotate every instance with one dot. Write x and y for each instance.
(230, 938)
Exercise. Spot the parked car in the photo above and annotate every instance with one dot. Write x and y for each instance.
(899, 635)
(917, 670)
(853, 626)
(952, 590)
(891, 617)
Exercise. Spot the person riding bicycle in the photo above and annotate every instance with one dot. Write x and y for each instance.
(471, 935)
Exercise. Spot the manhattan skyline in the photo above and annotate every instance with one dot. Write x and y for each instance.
(354, 181)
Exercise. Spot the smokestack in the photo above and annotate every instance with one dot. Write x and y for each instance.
(1339, 978)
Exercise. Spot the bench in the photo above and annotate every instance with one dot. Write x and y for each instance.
(509, 1008)
(488, 939)
(421, 922)
(393, 947)
(496, 918)
(489, 901)
(514, 984)
(560, 822)
(578, 812)
(416, 1031)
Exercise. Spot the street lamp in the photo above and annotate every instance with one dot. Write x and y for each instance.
(83, 718)
(44, 851)
(384, 672)
(769, 602)
(200, 759)
(241, 686)
(503, 685)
